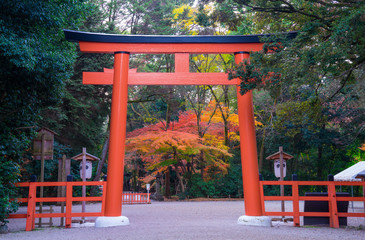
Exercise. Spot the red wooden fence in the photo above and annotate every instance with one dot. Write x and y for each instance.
(133, 198)
(32, 200)
(332, 199)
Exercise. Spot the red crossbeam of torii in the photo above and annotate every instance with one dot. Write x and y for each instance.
(181, 76)
(121, 76)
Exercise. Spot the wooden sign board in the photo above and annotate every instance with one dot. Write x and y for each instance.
(48, 144)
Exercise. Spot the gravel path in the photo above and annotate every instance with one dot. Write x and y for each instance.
(187, 220)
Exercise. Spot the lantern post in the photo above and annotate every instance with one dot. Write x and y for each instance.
(85, 171)
(280, 171)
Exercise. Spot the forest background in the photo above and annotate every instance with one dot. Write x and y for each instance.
(311, 100)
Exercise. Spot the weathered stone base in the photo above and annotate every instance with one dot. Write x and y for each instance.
(111, 221)
(263, 221)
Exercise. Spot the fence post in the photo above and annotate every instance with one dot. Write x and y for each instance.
(69, 187)
(295, 195)
(262, 195)
(332, 203)
(104, 197)
(294, 177)
(32, 195)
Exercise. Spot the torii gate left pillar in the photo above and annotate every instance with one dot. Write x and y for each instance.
(122, 76)
(118, 123)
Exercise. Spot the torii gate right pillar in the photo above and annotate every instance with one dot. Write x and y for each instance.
(250, 172)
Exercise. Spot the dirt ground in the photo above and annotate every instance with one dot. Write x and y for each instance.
(187, 220)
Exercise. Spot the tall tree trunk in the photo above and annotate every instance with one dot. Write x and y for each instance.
(226, 131)
(101, 164)
(168, 110)
(103, 158)
(167, 183)
(319, 162)
(134, 179)
(261, 156)
(223, 114)
(202, 164)
(179, 177)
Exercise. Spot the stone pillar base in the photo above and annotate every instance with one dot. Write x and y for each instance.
(263, 221)
(111, 221)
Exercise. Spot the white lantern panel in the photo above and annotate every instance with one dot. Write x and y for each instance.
(277, 168)
(88, 169)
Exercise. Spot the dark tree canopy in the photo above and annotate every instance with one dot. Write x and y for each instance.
(35, 60)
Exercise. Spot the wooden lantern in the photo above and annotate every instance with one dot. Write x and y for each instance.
(277, 164)
(88, 163)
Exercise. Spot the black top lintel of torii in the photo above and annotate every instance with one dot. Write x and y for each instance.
(78, 36)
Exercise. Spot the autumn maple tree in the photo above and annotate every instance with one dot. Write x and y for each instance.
(182, 146)
(179, 147)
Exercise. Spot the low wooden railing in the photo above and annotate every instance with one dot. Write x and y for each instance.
(135, 198)
(68, 200)
(332, 199)
(132, 198)
(32, 200)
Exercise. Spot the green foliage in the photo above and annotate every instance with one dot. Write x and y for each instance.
(80, 117)
(314, 84)
(329, 45)
(355, 153)
(35, 60)
(218, 185)
(9, 171)
(227, 185)
(293, 117)
(197, 187)
(139, 16)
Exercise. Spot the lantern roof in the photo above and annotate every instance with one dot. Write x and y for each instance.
(89, 157)
(275, 156)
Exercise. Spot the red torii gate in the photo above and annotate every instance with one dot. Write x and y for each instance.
(122, 46)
